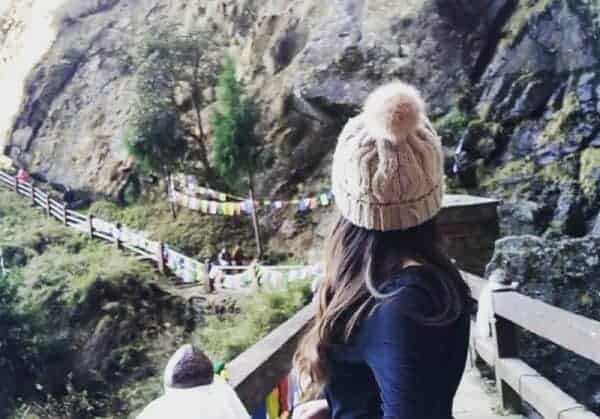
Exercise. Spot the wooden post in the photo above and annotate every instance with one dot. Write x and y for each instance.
(160, 257)
(505, 335)
(254, 273)
(90, 223)
(65, 220)
(256, 225)
(47, 205)
(208, 284)
(117, 236)
(32, 193)
(16, 184)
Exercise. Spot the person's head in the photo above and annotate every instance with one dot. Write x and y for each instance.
(388, 185)
(188, 368)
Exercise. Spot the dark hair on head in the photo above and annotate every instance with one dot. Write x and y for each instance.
(360, 263)
(188, 368)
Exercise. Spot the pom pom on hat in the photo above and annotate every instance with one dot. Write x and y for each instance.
(393, 110)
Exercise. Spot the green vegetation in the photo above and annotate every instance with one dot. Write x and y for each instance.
(153, 139)
(17, 349)
(452, 125)
(225, 338)
(590, 163)
(175, 67)
(68, 272)
(88, 331)
(236, 147)
(52, 271)
(192, 233)
(513, 170)
(522, 17)
(160, 137)
(563, 171)
(561, 120)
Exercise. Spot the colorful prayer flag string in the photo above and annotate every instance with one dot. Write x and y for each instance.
(230, 209)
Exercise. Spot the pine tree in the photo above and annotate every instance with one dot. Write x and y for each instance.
(236, 147)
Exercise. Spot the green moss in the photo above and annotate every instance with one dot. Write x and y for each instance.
(556, 129)
(452, 124)
(506, 173)
(559, 172)
(590, 162)
(520, 19)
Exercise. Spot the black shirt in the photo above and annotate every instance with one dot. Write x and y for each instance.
(395, 367)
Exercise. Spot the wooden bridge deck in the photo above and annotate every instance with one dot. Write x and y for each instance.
(476, 400)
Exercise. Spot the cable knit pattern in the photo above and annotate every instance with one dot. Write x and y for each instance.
(388, 164)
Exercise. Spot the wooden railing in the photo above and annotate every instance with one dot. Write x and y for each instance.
(118, 234)
(516, 380)
(186, 268)
(258, 370)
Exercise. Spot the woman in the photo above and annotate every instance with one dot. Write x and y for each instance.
(392, 327)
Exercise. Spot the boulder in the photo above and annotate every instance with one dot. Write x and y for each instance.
(518, 217)
(566, 274)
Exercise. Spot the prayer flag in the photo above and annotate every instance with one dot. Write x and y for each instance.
(204, 206)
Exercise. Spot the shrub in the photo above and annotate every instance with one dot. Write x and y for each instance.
(223, 338)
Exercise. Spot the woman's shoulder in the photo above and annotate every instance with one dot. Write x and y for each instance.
(412, 291)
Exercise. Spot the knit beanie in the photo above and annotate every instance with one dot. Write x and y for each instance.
(388, 166)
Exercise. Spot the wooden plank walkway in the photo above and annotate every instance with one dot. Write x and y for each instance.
(475, 399)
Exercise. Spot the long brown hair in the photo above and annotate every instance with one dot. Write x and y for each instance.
(358, 265)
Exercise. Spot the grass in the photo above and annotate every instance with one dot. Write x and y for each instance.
(62, 264)
(60, 261)
(71, 272)
(226, 337)
(192, 233)
(21, 225)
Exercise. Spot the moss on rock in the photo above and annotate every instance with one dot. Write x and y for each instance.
(452, 125)
(522, 17)
(589, 173)
(510, 173)
(556, 129)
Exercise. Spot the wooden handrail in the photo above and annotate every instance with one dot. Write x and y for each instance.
(255, 372)
(513, 310)
(571, 331)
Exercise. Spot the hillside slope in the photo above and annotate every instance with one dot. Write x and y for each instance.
(509, 88)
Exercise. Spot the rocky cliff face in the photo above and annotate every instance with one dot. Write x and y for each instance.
(514, 86)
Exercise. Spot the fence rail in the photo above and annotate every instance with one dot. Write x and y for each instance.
(129, 239)
(516, 380)
(182, 266)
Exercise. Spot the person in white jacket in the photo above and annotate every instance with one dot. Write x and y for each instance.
(192, 391)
